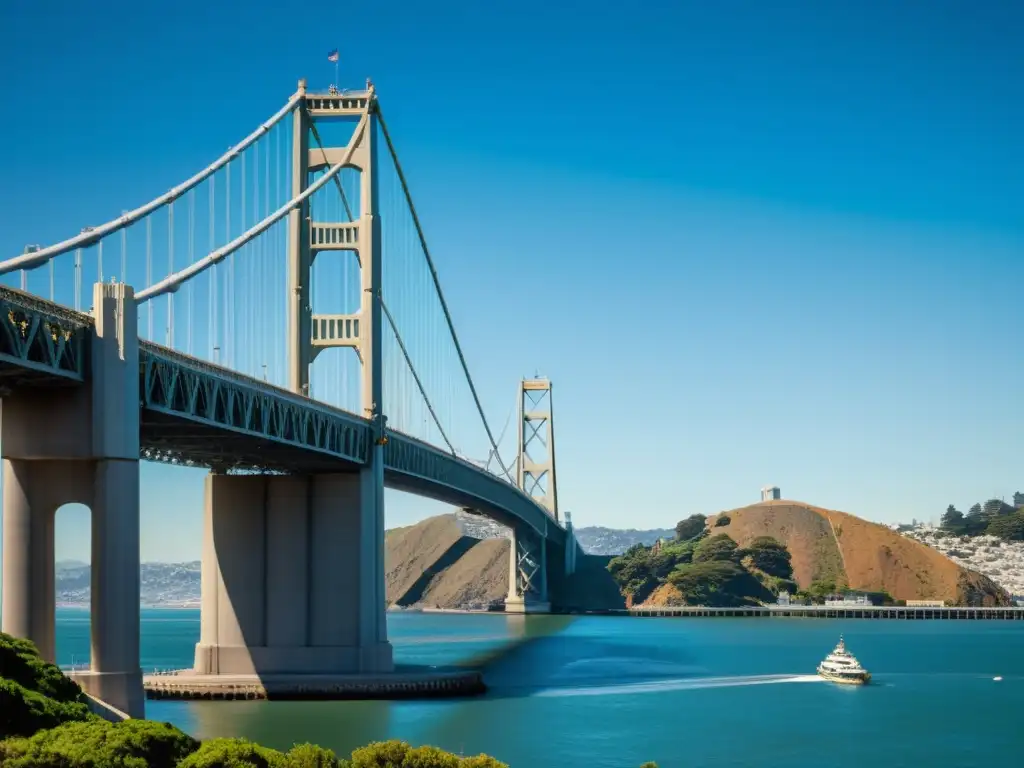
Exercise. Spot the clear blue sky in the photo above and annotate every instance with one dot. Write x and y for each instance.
(751, 243)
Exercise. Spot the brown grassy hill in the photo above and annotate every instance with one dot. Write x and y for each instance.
(410, 551)
(826, 544)
(433, 564)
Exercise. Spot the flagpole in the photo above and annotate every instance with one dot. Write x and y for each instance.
(337, 84)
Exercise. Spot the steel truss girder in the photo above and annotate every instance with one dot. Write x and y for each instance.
(529, 557)
(182, 386)
(41, 336)
(460, 482)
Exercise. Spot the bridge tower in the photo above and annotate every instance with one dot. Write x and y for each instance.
(535, 475)
(77, 444)
(318, 535)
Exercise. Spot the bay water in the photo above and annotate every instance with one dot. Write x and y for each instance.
(613, 692)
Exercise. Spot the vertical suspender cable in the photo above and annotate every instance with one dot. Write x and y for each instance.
(124, 253)
(149, 273)
(170, 271)
(78, 279)
(228, 350)
(190, 288)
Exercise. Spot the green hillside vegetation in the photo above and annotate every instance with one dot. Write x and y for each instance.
(706, 569)
(45, 722)
(993, 518)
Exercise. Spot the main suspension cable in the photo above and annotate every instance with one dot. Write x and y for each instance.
(437, 287)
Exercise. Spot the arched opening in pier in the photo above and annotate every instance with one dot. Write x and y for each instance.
(72, 539)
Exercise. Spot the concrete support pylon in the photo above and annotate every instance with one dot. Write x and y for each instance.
(81, 445)
(288, 578)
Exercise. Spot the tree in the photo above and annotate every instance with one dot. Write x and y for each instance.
(1018, 499)
(632, 572)
(820, 589)
(1008, 527)
(953, 520)
(974, 521)
(994, 508)
(691, 527)
(771, 556)
(719, 547)
(718, 583)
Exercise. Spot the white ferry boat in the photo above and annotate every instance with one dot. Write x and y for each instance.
(840, 666)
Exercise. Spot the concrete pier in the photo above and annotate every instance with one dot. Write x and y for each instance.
(289, 576)
(401, 684)
(80, 445)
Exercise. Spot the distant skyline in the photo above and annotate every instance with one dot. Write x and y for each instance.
(750, 245)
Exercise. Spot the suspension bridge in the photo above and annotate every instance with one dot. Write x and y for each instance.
(290, 335)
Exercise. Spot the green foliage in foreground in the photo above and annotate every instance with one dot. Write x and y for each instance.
(45, 723)
(33, 693)
(97, 744)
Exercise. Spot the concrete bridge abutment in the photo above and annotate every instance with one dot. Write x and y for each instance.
(80, 445)
(292, 576)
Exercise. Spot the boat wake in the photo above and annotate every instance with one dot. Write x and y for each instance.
(663, 686)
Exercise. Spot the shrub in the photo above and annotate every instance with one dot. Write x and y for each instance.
(381, 754)
(23, 711)
(20, 662)
(430, 757)
(99, 744)
(481, 761)
(234, 753)
(397, 754)
(691, 527)
(722, 520)
(312, 756)
(771, 556)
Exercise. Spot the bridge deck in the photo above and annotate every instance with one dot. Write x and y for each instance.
(195, 413)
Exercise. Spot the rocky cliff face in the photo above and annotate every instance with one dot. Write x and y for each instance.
(831, 545)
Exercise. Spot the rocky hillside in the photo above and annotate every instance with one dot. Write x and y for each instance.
(835, 546)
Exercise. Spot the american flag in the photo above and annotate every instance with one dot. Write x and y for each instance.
(333, 55)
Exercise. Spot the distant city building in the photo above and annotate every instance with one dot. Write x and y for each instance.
(771, 493)
(926, 603)
(847, 601)
(783, 598)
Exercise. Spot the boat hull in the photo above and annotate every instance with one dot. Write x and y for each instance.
(846, 680)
